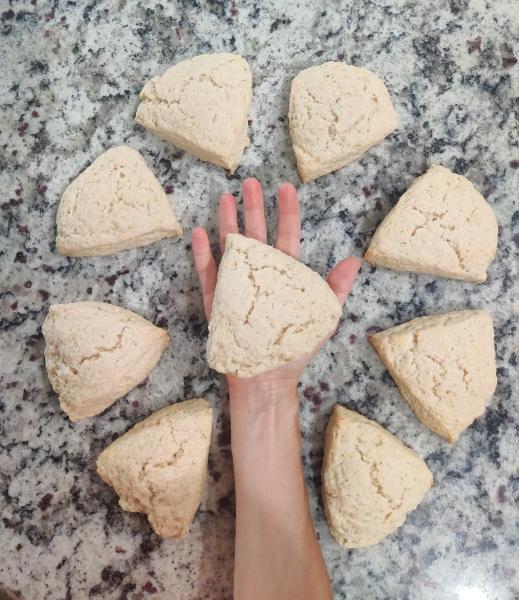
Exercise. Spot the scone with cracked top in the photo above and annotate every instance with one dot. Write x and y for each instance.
(444, 366)
(202, 106)
(370, 479)
(159, 466)
(268, 309)
(114, 204)
(96, 352)
(337, 113)
(442, 225)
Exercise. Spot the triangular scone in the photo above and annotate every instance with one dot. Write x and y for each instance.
(114, 204)
(159, 467)
(337, 112)
(370, 480)
(202, 106)
(268, 309)
(442, 225)
(444, 367)
(96, 352)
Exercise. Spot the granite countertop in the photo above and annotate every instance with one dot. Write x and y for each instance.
(70, 77)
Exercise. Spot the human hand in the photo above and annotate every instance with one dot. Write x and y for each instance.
(340, 278)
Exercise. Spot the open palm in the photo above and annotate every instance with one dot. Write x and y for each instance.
(340, 278)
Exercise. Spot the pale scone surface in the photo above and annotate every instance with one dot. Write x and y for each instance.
(442, 225)
(268, 309)
(114, 204)
(444, 366)
(159, 467)
(370, 480)
(96, 352)
(337, 112)
(202, 106)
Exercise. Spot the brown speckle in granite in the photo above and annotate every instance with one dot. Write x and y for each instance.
(7, 15)
(162, 322)
(224, 436)
(41, 189)
(45, 501)
(373, 329)
(149, 588)
(509, 61)
(20, 257)
(120, 550)
(35, 114)
(44, 295)
(514, 164)
(111, 279)
(143, 383)
(352, 338)
(168, 189)
(325, 387)
(22, 128)
(473, 45)
(23, 229)
(27, 284)
(501, 494)
(13, 306)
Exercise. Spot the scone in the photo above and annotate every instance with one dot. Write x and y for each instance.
(370, 480)
(337, 112)
(159, 466)
(268, 309)
(444, 367)
(442, 225)
(114, 204)
(202, 106)
(96, 352)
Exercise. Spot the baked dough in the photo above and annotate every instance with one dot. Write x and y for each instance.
(442, 225)
(268, 309)
(444, 367)
(337, 112)
(96, 352)
(370, 480)
(115, 204)
(159, 466)
(202, 106)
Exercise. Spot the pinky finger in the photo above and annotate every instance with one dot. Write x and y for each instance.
(342, 276)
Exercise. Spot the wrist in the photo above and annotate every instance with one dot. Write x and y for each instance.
(260, 394)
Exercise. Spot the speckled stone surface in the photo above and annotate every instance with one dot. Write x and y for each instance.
(70, 76)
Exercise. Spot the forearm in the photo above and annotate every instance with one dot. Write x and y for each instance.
(277, 554)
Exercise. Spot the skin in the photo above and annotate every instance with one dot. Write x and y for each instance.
(277, 554)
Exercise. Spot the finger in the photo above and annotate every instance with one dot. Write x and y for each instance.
(253, 210)
(227, 217)
(205, 267)
(289, 220)
(342, 276)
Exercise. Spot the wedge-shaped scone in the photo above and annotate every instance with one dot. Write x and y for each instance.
(115, 204)
(268, 309)
(442, 225)
(202, 106)
(444, 367)
(337, 112)
(159, 466)
(96, 352)
(370, 480)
